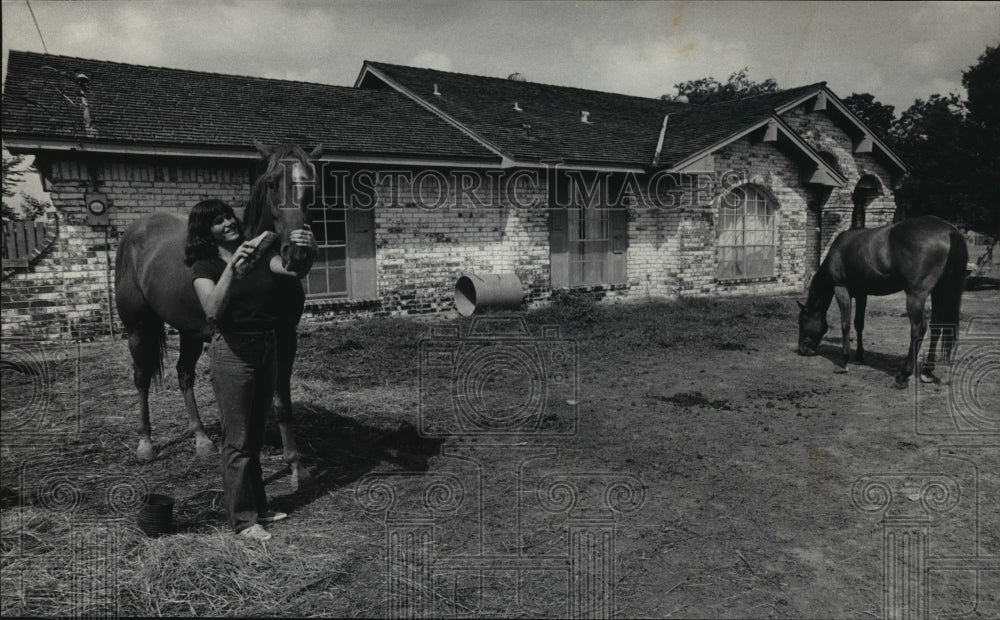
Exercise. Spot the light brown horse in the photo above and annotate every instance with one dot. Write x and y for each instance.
(923, 256)
(153, 286)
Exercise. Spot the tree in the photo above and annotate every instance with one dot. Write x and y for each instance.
(709, 90)
(26, 207)
(878, 116)
(952, 149)
(931, 136)
(982, 84)
(12, 175)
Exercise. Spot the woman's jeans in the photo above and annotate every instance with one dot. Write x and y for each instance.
(244, 375)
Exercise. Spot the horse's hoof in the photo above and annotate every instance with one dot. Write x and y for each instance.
(901, 385)
(145, 450)
(928, 378)
(302, 480)
(203, 446)
(840, 369)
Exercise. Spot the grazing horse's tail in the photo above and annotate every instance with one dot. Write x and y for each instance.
(946, 298)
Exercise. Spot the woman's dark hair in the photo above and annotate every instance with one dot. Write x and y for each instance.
(200, 242)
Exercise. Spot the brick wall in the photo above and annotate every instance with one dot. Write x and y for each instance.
(821, 133)
(77, 272)
(424, 246)
(672, 251)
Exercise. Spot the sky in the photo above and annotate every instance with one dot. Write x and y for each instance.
(897, 51)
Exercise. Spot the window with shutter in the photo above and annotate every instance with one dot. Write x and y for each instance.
(588, 242)
(345, 264)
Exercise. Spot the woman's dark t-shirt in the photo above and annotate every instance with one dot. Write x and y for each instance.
(253, 299)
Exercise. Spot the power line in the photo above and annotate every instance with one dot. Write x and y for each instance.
(36, 26)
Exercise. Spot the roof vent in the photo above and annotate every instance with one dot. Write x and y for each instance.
(517, 108)
(516, 77)
(584, 116)
(436, 91)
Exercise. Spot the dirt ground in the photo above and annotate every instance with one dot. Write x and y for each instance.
(686, 463)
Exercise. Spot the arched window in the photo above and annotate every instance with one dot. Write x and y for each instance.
(746, 234)
(865, 191)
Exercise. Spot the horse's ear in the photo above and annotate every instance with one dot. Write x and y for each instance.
(263, 150)
(316, 152)
(802, 306)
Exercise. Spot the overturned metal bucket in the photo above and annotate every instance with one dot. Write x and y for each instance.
(498, 291)
(156, 515)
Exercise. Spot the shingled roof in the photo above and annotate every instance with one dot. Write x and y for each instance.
(621, 129)
(547, 122)
(394, 113)
(698, 128)
(138, 105)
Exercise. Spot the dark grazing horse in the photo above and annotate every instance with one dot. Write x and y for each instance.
(153, 286)
(921, 256)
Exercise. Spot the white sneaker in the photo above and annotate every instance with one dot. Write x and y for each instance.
(271, 516)
(256, 532)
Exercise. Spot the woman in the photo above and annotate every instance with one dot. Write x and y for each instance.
(241, 311)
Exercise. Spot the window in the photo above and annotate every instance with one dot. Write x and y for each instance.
(746, 235)
(328, 277)
(588, 238)
(865, 191)
(345, 263)
(588, 245)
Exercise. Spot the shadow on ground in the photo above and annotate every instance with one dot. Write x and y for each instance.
(339, 450)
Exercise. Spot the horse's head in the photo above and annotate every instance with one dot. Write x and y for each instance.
(812, 327)
(283, 192)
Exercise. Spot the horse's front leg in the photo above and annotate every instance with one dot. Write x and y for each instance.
(918, 328)
(301, 478)
(191, 347)
(859, 327)
(844, 302)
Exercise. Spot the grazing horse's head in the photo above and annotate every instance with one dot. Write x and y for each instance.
(283, 192)
(812, 327)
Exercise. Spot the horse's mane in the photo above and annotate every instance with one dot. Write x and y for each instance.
(259, 213)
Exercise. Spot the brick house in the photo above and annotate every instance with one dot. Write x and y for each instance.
(428, 175)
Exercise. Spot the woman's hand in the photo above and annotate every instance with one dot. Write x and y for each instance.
(302, 237)
(242, 254)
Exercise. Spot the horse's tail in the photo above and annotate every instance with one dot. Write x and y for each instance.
(946, 298)
(146, 331)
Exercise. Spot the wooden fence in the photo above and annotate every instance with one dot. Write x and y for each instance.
(23, 241)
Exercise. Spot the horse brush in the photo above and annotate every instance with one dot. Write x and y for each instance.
(260, 243)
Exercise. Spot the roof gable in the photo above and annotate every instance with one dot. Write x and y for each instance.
(700, 130)
(132, 104)
(532, 122)
(865, 140)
